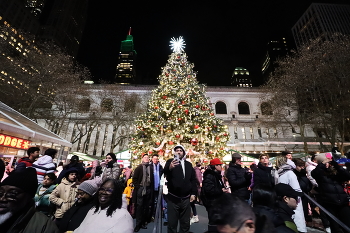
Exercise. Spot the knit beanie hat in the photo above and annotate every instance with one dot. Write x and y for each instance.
(25, 179)
(88, 186)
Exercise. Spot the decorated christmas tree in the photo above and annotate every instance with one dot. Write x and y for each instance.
(178, 112)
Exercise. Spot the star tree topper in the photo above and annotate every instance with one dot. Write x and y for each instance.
(177, 45)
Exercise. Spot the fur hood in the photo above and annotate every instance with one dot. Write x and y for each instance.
(183, 148)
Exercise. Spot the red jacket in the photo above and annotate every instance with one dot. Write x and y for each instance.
(24, 162)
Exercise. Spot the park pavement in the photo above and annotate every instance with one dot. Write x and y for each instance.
(202, 225)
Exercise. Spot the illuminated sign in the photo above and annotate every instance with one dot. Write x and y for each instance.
(14, 142)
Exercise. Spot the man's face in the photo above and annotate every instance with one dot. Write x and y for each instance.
(238, 160)
(47, 181)
(145, 159)
(179, 152)
(12, 200)
(155, 159)
(82, 196)
(72, 177)
(218, 167)
(264, 160)
(292, 202)
(35, 154)
(289, 156)
(247, 226)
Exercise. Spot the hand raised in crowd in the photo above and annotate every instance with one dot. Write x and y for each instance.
(174, 163)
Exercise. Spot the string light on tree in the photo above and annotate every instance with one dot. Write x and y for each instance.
(178, 112)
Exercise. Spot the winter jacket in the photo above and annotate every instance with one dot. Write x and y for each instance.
(43, 166)
(211, 187)
(309, 166)
(287, 176)
(239, 180)
(32, 221)
(24, 162)
(272, 216)
(264, 175)
(178, 185)
(330, 186)
(286, 213)
(128, 190)
(42, 201)
(64, 196)
(304, 182)
(199, 175)
(111, 173)
(74, 216)
(120, 222)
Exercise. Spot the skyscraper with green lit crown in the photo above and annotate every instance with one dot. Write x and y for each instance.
(125, 73)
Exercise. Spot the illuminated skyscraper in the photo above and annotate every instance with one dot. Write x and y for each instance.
(241, 78)
(276, 48)
(125, 73)
(321, 20)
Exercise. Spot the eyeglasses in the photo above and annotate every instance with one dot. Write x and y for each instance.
(107, 191)
(10, 195)
(81, 193)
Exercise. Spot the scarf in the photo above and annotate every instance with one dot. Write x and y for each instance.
(284, 169)
(146, 179)
(156, 176)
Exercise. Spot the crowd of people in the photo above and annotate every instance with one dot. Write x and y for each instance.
(39, 196)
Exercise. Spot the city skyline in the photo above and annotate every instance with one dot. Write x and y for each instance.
(219, 36)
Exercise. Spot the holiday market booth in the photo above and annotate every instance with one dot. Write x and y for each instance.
(18, 133)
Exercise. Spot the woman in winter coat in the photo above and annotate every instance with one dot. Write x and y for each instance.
(212, 188)
(109, 214)
(112, 169)
(287, 176)
(330, 178)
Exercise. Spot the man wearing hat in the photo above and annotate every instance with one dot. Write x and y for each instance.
(212, 188)
(182, 190)
(288, 200)
(76, 214)
(238, 178)
(17, 208)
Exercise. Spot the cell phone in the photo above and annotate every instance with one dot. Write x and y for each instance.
(177, 157)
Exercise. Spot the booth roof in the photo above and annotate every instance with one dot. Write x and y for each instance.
(14, 122)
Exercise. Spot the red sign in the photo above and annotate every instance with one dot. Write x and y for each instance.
(14, 142)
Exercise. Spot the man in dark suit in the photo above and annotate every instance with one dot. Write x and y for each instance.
(157, 174)
(182, 190)
(144, 182)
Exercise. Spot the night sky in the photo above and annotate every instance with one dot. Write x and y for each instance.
(220, 35)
